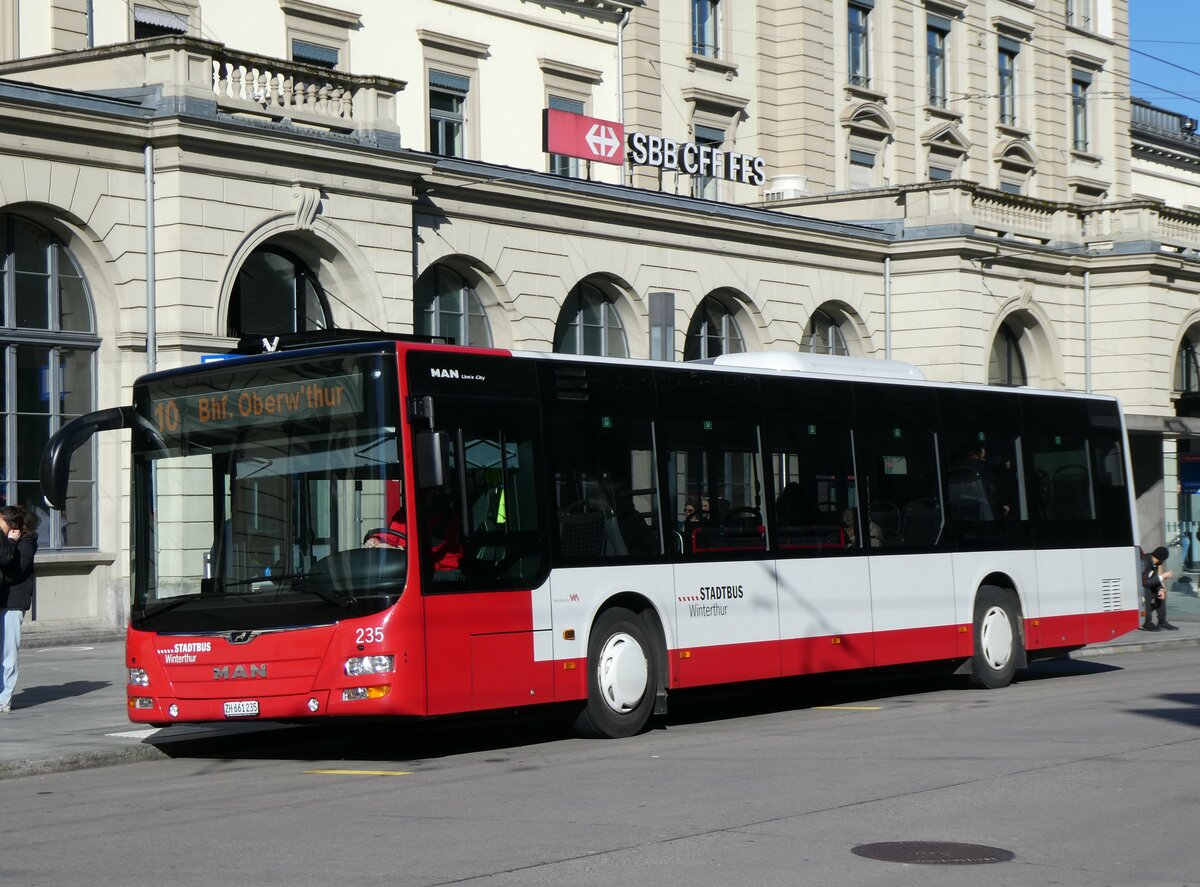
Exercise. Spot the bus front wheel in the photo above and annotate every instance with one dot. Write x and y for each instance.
(997, 639)
(622, 676)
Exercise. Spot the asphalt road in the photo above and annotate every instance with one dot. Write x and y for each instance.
(1086, 772)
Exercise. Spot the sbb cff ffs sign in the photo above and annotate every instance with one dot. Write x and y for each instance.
(587, 138)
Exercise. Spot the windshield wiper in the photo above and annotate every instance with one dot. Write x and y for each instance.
(169, 604)
(300, 583)
(260, 580)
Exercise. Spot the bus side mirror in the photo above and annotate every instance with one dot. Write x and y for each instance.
(432, 454)
(56, 457)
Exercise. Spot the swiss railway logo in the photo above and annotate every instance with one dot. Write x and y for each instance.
(588, 138)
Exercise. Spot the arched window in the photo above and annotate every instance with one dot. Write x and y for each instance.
(589, 324)
(47, 376)
(713, 331)
(824, 335)
(276, 293)
(1187, 369)
(1007, 366)
(446, 305)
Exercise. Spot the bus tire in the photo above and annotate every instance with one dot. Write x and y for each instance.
(997, 639)
(622, 676)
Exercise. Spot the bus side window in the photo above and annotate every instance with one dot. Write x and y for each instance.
(816, 504)
(484, 529)
(605, 486)
(716, 466)
(981, 450)
(904, 484)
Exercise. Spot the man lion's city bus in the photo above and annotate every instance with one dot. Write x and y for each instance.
(378, 526)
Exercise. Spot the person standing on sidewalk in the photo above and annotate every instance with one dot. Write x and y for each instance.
(18, 545)
(1153, 590)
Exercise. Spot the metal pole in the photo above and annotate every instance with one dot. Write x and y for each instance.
(151, 338)
(1087, 331)
(887, 307)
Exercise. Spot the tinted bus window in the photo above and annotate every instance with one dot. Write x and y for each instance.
(601, 450)
(900, 446)
(1075, 474)
(810, 460)
(709, 436)
(483, 530)
(981, 454)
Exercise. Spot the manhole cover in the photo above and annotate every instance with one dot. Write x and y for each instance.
(933, 853)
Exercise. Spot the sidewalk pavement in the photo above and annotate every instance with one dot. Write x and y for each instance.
(69, 709)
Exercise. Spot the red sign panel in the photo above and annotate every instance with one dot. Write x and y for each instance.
(587, 138)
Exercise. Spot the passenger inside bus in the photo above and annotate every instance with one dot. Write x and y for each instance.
(850, 529)
(445, 539)
(394, 535)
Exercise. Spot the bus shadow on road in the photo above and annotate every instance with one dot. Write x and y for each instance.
(396, 741)
(1047, 669)
(411, 742)
(1181, 708)
(849, 689)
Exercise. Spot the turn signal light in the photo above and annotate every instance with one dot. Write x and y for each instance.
(141, 702)
(355, 694)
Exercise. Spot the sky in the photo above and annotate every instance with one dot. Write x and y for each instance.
(1164, 53)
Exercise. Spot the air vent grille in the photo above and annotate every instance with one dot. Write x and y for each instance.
(1110, 594)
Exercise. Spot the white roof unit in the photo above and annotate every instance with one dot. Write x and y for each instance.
(822, 365)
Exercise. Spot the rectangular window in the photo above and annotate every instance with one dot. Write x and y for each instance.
(487, 532)
(714, 478)
(900, 462)
(706, 186)
(150, 21)
(1073, 467)
(1006, 68)
(1079, 14)
(1012, 187)
(810, 455)
(602, 453)
(986, 502)
(859, 41)
(314, 54)
(662, 326)
(936, 33)
(1081, 82)
(706, 27)
(447, 113)
(862, 169)
(940, 174)
(560, 164)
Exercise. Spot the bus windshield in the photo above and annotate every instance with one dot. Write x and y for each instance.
(271, 496)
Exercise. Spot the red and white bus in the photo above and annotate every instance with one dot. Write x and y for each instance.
(377, 526)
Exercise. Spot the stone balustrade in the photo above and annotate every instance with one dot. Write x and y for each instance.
(193, 72)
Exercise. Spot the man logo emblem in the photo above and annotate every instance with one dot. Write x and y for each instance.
(242, 637)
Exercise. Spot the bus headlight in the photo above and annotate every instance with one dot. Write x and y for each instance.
(138, 677)
(358, 666)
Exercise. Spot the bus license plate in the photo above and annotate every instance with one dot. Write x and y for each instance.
(241, 709)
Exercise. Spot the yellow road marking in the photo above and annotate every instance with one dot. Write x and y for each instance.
(361, 772)
(848, 707)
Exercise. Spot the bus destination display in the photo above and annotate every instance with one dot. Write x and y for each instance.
(278, 402)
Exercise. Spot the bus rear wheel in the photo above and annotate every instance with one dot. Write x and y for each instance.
(997, 640)
(622, 676)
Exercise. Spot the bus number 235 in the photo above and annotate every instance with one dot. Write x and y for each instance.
(369, 636)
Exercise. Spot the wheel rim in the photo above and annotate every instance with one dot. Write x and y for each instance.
(996, 638)
(622, 673)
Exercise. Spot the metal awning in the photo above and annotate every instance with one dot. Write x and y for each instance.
(146, 15)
